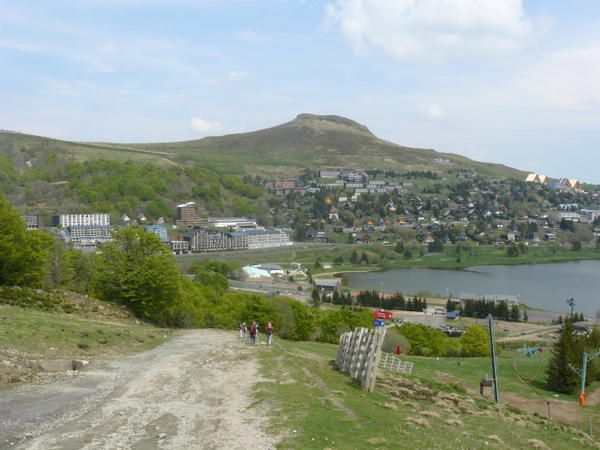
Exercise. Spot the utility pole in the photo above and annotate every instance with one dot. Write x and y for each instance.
(493, 351)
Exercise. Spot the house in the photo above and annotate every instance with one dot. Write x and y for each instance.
(159, 230)
(570, 183)
(537, 178)
(366, 239)
(328, 285)
(453, 315)
(590, 214)
(32, 221)
(429, 239)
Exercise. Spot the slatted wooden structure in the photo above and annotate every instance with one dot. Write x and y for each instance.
(359, 353)
(390, 361)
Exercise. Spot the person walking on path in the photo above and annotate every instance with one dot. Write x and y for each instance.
(269, 332)
(243, 330)
(254, 333)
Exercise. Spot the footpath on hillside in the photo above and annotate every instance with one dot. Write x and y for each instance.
(192, 392)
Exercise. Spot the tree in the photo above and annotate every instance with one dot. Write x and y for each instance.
(525, 316)
(315, 298)
(23, 253)
(354, 257)
(450, 305)
(515, 316)
(137, 270)
(435, 247)
(560, 377)
(399, 247)
(474, 342)
(364, 258)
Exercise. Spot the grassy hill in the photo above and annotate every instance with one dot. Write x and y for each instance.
(45, 174)
(314, 406)
(312, 141)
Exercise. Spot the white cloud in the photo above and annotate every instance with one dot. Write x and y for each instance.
(432, 111)
(431, 28)
(203, 125)
(237, 75)
(566, 79)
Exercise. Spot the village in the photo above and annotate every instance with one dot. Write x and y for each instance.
(350, 206)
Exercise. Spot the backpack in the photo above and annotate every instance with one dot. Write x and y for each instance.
(253, 330)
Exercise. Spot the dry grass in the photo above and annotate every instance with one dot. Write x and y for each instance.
(430, 414)
(494, 439)
(536, 443)
(419, 422)
(454, 422)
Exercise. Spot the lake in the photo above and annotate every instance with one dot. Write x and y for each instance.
(542, 285)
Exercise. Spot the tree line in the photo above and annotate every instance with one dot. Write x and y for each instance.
(480, 308)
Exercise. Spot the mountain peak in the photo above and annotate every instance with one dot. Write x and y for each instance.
(305, 118)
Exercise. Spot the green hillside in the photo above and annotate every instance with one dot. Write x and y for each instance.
(311, 141)
(44, 174)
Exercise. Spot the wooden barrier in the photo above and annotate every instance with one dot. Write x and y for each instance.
(358, 354)
(390, 361)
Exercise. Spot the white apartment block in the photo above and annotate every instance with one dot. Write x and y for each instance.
(78, 220)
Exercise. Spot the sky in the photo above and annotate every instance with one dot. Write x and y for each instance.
(509, 81)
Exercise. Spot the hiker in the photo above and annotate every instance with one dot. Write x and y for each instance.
(243, 330)
(253, 333)
(269, 332)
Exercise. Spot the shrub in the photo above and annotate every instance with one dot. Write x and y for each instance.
(393, 339)
(425, 341)
(474, 342)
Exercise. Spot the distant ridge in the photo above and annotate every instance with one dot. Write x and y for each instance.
(308, 141)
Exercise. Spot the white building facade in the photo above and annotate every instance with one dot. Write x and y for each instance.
(83, 220)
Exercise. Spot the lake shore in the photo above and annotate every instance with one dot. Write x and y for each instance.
(545, 287)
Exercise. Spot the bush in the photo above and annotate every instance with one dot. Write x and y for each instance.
(474, 342)
(393, 339)
(425, 341)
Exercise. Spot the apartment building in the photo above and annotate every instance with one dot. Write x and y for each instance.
(81, 220)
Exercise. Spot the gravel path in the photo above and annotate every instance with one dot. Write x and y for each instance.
(190, 393)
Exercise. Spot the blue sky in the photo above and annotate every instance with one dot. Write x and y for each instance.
(510, 81)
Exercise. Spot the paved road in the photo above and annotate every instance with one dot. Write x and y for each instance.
(191, 393)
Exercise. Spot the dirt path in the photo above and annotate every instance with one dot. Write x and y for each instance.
(191, 393)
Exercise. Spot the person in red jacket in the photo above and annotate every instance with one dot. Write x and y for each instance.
(269, 330)
(254, 333)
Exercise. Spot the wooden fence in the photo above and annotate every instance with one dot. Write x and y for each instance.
(390, 361)
(359, 353)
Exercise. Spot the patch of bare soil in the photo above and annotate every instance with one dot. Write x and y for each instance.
(193, 392)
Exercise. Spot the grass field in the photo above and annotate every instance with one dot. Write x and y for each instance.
(67, 335)
(314, 406)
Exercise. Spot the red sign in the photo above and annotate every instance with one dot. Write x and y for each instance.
(386, 315)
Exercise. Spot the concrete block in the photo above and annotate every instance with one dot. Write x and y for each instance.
(79, 364)
(56, 365)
